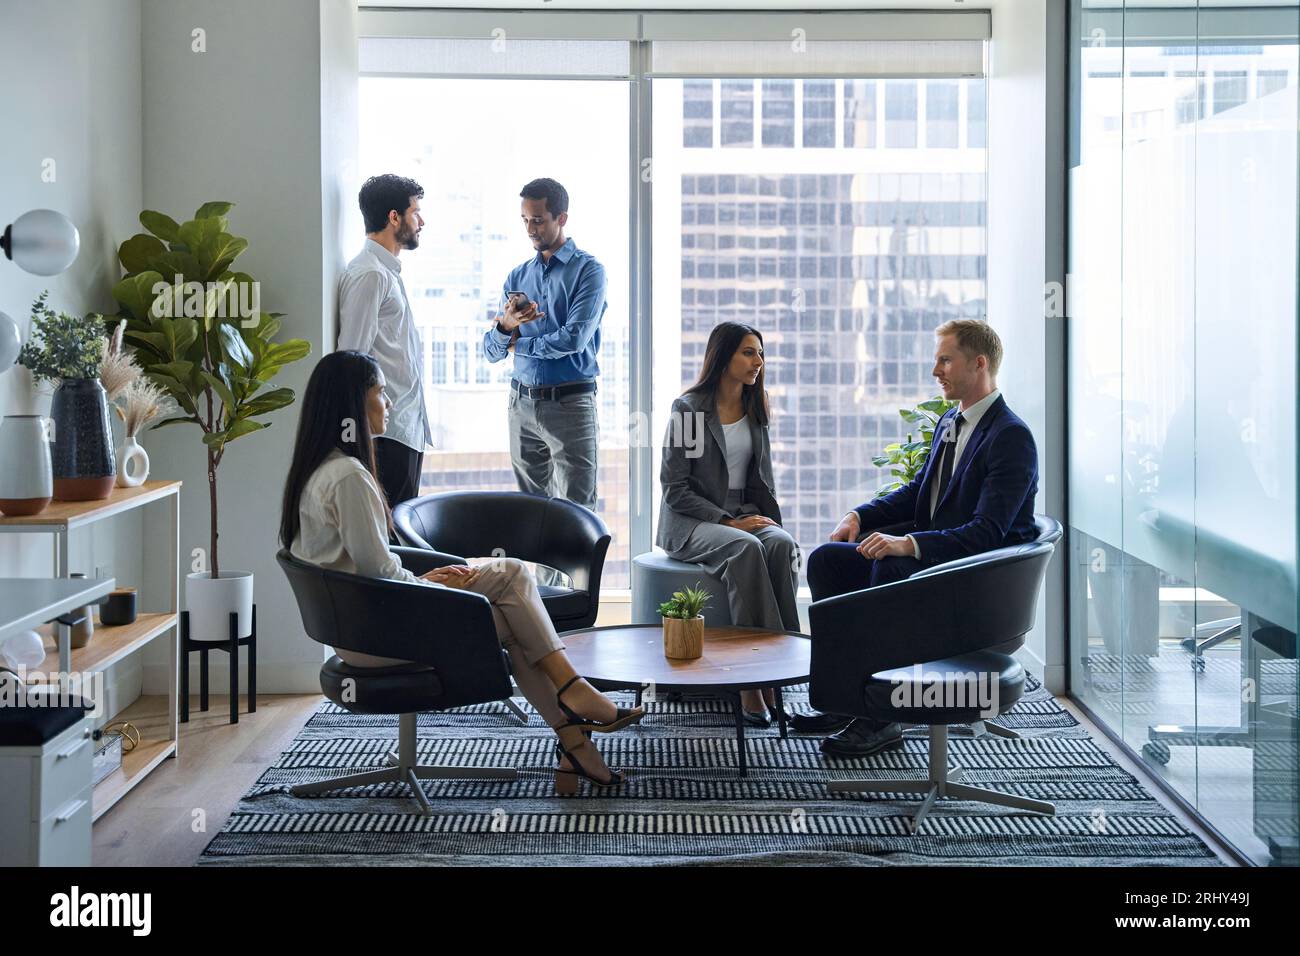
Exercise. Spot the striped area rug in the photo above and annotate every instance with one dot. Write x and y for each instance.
(684, 804)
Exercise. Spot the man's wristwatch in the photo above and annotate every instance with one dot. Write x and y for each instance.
(501, 330)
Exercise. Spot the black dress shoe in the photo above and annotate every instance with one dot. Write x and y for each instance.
(755, 720)
(818, 723)
(862, 738)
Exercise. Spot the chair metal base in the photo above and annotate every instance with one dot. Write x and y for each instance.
(943, 780)
(512, 706)
(402, 767)
(516, 710)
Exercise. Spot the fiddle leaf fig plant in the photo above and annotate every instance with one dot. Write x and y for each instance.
(906, 459)
(199, 332)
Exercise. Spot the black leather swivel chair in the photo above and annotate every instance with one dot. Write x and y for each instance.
(448, 635)
(877, 652)
(548, 531)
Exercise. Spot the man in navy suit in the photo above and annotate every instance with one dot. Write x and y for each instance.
(976, 493)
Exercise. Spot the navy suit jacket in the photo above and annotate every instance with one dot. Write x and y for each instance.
(989, 503)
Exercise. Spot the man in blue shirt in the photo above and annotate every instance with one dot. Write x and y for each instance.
(553, 329)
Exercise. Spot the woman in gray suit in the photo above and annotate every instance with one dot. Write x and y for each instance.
(719, 509)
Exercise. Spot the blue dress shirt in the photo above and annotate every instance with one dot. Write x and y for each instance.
(561, 346)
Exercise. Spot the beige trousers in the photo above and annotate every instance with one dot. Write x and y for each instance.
(523, 628)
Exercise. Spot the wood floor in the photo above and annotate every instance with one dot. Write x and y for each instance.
(171, 815)
(159, 823)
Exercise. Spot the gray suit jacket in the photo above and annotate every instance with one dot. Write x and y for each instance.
(694, 478)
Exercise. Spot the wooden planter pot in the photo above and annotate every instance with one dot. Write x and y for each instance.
(683, 640)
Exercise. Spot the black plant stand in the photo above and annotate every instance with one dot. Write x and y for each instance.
(231, 647)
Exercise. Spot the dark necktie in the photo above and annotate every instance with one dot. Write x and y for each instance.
(949, 455)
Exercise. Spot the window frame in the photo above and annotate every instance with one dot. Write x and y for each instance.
(640, 30)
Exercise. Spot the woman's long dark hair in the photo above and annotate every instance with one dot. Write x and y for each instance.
(724, 340)
(333, 416)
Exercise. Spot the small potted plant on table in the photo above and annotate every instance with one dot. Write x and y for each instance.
(684, 624)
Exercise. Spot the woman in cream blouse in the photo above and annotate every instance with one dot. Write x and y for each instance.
(334, 515)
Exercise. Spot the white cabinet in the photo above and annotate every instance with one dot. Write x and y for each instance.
(46, 797)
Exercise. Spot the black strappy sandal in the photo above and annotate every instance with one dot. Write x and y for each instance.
(566, 781)
(622, 718)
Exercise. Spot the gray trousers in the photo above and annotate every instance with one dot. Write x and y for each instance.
(553, 446)
(760, 571)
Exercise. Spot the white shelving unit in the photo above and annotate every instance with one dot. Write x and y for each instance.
(111, 644)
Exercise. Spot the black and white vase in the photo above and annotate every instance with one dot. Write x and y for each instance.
(82, 446)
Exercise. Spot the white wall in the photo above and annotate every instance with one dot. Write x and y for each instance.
(71, 93)
(265, 118)
(1024, 252)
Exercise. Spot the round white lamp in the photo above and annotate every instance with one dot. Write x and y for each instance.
(11, 342)
(42, 242)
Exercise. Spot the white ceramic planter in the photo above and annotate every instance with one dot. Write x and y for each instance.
(210, 601)
(132, 464)
(26, 478)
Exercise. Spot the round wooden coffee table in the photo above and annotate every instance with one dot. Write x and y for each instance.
(631, 657)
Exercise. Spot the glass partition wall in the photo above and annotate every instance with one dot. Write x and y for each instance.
(1182, 400)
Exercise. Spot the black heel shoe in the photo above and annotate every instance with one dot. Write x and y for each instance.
(622, 717)
(757, 718)
(566, 781)
(776, 712)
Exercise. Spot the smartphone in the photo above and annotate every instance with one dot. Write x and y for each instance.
(520, 299)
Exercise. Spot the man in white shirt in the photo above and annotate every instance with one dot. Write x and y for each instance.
(375, 317)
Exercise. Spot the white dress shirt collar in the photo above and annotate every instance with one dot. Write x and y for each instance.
(971, 416)
(386, 258)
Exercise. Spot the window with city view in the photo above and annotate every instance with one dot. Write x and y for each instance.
(845, 218)
(457, 139)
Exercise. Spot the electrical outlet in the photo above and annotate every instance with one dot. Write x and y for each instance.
(103, 571)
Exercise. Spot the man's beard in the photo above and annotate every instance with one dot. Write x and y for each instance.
(408, 238)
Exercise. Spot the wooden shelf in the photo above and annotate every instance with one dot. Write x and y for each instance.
(135, 767)
(155, 716)
(65, 515)
(150, 715)
(108, 645)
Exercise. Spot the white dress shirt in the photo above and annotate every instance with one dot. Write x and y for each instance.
(740, 448)
(375, 317)
(341, 526)
(970, 418)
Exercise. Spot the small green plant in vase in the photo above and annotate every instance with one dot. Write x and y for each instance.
(684, 623)
(62, 346)
(66, 351)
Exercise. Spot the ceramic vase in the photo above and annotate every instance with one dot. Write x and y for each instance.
(82, 447)
(26, 477)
